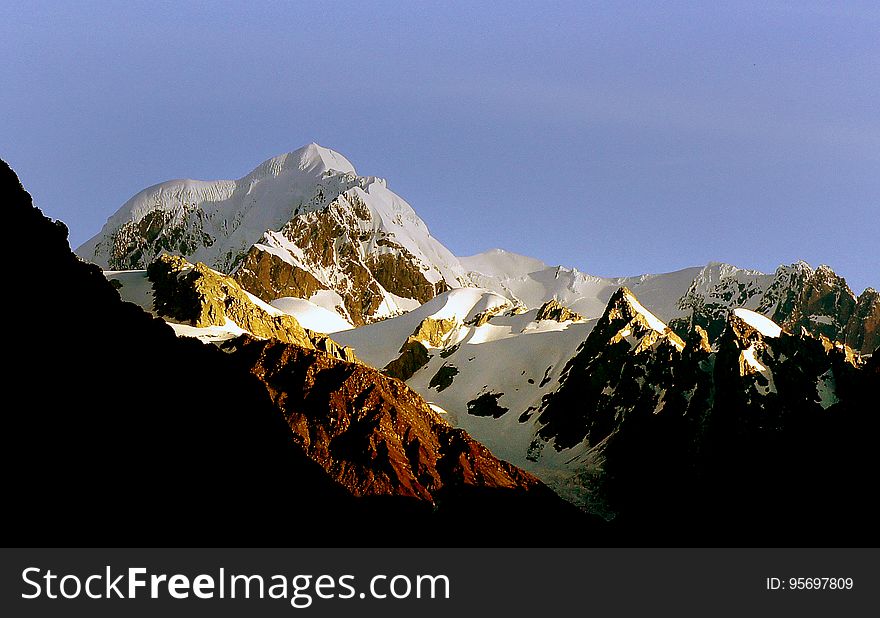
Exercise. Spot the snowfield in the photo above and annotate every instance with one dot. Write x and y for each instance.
(763, 325)
(311, 316)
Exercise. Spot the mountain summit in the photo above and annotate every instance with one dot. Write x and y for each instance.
(301, 224)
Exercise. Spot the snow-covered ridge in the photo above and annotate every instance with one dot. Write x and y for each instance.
(221, 218)
(379, 343)
(311, 315)
(655, 323)
(502, 264)
(531, 282)
(763, 325)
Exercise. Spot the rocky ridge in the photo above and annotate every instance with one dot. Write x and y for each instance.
(795, 296)
(370, 432)
(202, 297)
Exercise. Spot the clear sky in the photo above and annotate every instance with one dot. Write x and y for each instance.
(616, 137)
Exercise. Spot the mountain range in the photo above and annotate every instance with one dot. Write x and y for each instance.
(714, 404)
(125, 431)
(304, 225)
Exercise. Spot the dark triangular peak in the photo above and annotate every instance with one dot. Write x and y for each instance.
(626, 319)
(626, 361)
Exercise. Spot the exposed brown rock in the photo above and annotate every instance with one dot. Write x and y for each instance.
(268, 277)
(330, 241)
(849, 355)
(483, 317)
(698, 340)
(434, 332)
(327, 345)
(413, 356)
(622, 319)
(398, 273)
(414, 352)
(370, 432)
(553, 310)
(863, 328)
(824, 306)
(203, 297)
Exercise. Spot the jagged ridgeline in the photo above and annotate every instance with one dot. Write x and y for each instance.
(667, 404)
(768, 428)
(818, 301)
(305, 225)
(204, 298)
(122, 433)
(661, 434)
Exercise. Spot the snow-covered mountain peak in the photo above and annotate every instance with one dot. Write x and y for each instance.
(300, 224)
(625, 318)
(311, 159)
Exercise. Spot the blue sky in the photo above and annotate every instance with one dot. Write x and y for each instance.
(616, 137)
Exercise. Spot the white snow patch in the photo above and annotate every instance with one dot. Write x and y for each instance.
(763, 325)
(208, 334)
(328, 299)
(749, 356)
(437, 408)
(310, 315)
(653, 321)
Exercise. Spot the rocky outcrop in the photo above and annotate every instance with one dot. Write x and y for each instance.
(862, 331)
(327, 345)
(373, 434)
(444, 377)
(201, 297)
(413, 356)
(483, 317)
(487, 405)
(824, 306)
(698, 341)
(338, 248)
(796, 296)
(268, 277)
(628, 350)
(553, 310)
(434, 332)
